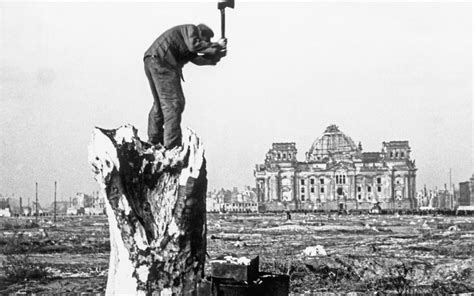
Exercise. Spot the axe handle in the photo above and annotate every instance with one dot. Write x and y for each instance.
(222, 22)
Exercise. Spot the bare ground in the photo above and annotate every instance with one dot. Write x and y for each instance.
(365, 253)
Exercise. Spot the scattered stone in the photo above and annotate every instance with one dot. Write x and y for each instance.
(453, 228)
(313, 251)
(359, 259)
(240, 244)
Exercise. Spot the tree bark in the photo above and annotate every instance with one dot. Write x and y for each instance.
(156, 211)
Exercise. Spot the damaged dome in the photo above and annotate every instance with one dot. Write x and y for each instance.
(332, 144)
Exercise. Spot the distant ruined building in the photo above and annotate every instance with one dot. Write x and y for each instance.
(84, 204)
(337, 175)
(5, 210)
(466, 192)
(232, 201)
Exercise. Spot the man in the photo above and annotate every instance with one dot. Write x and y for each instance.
(164, 61)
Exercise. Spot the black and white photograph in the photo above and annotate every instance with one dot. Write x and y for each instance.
(236, 148)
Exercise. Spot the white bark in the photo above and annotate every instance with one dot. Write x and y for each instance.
(155, 209)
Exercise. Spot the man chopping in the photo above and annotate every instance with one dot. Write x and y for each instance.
(164, 61)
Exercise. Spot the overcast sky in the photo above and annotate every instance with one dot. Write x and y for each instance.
(380, 71)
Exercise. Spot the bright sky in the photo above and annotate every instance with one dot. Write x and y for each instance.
(380, 71)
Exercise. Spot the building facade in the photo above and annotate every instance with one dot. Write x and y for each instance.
(84, 204)
(5, 210)
(466, 192)
(336, 175)
(442, 199)
(232, 201)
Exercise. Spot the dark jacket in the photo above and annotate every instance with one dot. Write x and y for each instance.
(179, 45)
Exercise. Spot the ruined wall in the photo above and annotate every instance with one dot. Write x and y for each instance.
(465, 194)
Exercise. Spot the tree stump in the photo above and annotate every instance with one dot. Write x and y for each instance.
(155, 203)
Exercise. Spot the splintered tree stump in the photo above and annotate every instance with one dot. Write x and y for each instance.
(155, 203)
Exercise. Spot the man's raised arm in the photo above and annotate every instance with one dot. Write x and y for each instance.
(196, 44)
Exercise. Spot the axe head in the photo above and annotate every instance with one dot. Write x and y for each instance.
(225, 3)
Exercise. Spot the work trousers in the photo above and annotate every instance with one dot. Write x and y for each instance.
(164, 119)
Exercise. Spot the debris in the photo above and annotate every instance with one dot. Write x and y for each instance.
(317, 250)
(359, 259)
(454, 228)
(239, 260)
(239, 244)
(226, 236)
(240, 269)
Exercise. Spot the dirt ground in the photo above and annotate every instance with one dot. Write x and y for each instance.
(362, 253)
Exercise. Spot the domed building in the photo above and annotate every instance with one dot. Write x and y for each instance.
(337, 175)
(332, 145)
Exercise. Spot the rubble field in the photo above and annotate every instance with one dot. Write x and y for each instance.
(322, 253)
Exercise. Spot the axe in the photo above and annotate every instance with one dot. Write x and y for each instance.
(221, 5)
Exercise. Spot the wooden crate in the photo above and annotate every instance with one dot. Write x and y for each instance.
(221, 269)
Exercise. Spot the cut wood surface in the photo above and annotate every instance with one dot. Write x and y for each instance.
(155, 203)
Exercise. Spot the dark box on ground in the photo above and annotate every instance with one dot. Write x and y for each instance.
(220, 269)
(267, 284)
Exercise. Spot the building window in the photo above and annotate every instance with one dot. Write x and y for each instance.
(402, 154)
(284, 155)
(302, 182)
(369, 189)
(302, 197)
(340, 179)
(278, 156)
(322, 190)
(369, 197)
(312, 189)
(302, 189)
(396, 154)
(379, 189)
(311, 181)
(359, 189)
(391, 153)
(289, 155)
(321, 181)
(379, 180)
(359, 197)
